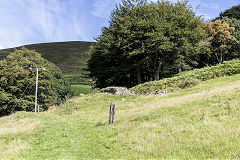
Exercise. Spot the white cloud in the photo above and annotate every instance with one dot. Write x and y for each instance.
(207, 16)
(32, 21)
(103, 8)
(35, 21)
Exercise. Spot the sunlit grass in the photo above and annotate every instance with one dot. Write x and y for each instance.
(81, 89)
(196, 123)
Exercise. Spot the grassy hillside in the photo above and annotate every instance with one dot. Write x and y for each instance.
(189, 78)
(198, 123)
(71, 57)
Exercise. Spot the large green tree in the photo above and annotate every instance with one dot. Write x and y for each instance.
(15, 77)
(143, 40)
(233, 12)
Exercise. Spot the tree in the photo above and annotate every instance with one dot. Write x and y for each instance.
(235, 50)
(233, 12)
(15, 77)
(220, 38)
(143, 40)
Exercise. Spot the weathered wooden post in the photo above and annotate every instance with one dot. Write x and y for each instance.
(112, 113)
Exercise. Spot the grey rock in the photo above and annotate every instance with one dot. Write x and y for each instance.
(119, 91)
(164, 92)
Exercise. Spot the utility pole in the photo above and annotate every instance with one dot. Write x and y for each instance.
(37, 69)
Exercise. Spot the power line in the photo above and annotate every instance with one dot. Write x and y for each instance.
(21, 96)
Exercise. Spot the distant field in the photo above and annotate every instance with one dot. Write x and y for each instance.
(70, 57)
(81, 89)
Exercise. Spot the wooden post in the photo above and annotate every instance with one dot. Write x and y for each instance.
(112, 113)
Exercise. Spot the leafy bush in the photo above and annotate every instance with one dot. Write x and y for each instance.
(186, 83)
(15, 77)
(225, 69)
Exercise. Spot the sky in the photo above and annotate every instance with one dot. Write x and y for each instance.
(40, 21)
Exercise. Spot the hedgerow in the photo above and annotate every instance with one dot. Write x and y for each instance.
(227, 68)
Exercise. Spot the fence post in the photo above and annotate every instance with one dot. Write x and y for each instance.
(112, 114)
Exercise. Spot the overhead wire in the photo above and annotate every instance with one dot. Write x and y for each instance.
(21, 96)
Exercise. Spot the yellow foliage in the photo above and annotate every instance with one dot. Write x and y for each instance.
(220, 37)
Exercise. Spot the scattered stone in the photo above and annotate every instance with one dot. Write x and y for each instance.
(122, 91)
(165, 92)
(119, 91)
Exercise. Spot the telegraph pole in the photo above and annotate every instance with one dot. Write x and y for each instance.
(37, 69)
(36, 91)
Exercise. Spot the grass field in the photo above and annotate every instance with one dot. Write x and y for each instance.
(196, 123)
(81, 89)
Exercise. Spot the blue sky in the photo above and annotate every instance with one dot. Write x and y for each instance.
(39, 21)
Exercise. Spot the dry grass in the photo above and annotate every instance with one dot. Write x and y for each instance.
(166, 126)
(164, 101)
(13, 148)
(16, 124)
(51, 109)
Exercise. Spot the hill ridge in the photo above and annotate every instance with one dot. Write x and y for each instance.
(70, 56)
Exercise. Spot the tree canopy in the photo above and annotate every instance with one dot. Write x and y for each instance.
(143, 40)
(15, 77)
(233, 12)
(235, 49)
(220, 37)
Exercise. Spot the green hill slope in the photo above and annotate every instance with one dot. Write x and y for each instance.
(196, 123)
(189, 78)
(71, 57)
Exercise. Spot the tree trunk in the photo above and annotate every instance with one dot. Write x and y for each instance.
(157, 72)
(156, 75)
(221, 59)
(179, 70)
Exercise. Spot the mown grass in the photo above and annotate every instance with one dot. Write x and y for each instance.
(81, 89)
(197, 123)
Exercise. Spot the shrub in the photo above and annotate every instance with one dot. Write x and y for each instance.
(187, 78)
(186, 83)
